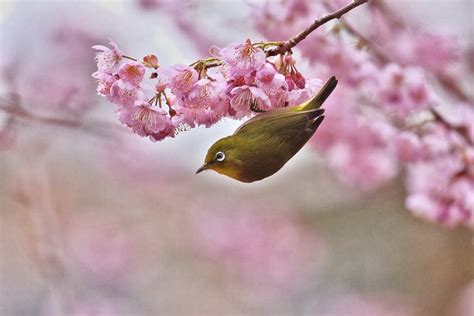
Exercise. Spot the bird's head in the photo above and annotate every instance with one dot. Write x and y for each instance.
(223, 158)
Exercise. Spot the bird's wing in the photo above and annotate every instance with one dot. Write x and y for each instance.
(287, 124)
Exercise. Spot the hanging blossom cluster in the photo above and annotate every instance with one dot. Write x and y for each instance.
(238, 80)
(385, 116)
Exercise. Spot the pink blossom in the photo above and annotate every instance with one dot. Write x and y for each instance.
(434, 52)
(408, 146)
(440, 181)
(125, 94)
(461, 116)
(244, 97)
(108, 59)
(276, 91)
(436, 140)
(359, 150)
(243, 58)
(147, 120)
(104, 82)
(438, 192)
(266, 73)
(282, 19)
(402, 91)
(352, 65)
(366, 167)
(298, 96)
(203, 105)
(181, 78)
(132, 72)
(164, 77)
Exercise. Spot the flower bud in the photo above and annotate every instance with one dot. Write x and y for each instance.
(150, 61)
(299, 80)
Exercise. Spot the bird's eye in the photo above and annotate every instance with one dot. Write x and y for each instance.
(220, 156)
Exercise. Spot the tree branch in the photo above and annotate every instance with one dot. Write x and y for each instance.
(375, 49)
(449, 83)
(292, 42)
(95, 127)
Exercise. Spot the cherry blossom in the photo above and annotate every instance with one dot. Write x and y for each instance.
(108, 59)
(402, 91)
(147, 120)
(203, 104)
(368, 136)
(125, 94)
(243, 59)
(182, 79)
(132, 73)
(438, 192)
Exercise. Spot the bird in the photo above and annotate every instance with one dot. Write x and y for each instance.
(265, 143)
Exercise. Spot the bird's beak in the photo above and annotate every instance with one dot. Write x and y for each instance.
(202, 168)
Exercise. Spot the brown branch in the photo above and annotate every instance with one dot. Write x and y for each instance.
(451, 85)
(444, 79)
(460, 130)
(447, 81)
(93, 127)
(292, 42)
(375, 49)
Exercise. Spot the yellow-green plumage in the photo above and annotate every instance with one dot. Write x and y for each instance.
(263, 144)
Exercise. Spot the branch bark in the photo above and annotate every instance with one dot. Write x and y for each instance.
(447, 81)
(292, 42)
(94, 127)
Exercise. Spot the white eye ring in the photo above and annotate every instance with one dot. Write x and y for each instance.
(220, 156)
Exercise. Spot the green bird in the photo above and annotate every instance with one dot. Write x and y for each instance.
(262, 145)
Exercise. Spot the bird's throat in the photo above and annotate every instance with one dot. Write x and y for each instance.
(229, 171)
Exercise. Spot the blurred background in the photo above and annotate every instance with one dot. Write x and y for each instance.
(98, 221)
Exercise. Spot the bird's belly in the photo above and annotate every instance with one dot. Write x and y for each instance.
(263, 169)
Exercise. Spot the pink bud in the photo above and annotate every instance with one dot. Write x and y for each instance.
(150, 61)
(290, 82)
(299, 80)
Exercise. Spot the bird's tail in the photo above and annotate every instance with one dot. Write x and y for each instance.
(323, 94)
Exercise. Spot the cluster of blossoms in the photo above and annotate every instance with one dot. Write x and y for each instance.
(440, 169)
(237, 81)
(369, 135)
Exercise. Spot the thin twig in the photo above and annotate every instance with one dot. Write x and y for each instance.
(375, 49)
(95, 127)
(292, 42)
(447, 81)
(451, 85)
(444, 79)
(460, 130)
